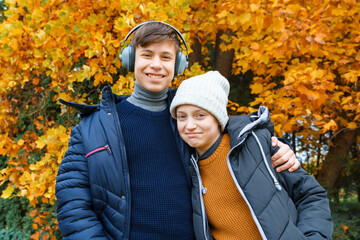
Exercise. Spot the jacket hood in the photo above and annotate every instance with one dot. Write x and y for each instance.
(239, 127)
(106, 99)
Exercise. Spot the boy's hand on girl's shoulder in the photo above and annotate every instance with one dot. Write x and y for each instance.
(284, 158)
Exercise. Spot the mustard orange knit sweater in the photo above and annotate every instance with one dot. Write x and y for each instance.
(228, 214)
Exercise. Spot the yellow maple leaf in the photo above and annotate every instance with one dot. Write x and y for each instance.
(66, 96)
(320, 38)
(278, 130)
(7, 192)
(311, 95)
(259, 20)
(40, 143)
(257, 88)
(254, 7)
(222, 14)
(278, 24)
(330, 126)
(21, 142)
(351, 125)
(338, 12)
(233, 19)
(317, 116)
(244, 18)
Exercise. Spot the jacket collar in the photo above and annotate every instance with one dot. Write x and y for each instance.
(239, 127)
(171, 95)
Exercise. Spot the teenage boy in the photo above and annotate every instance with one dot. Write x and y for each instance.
(126, 172)
(236, 194)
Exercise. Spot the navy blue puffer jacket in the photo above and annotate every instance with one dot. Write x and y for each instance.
(92, 186)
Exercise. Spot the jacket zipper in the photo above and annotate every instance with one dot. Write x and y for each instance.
(276, 182)
(106, 147)
(202, 191)
(242, 193)
(123, 160)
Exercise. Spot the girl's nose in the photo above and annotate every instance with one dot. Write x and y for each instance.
(190, 124)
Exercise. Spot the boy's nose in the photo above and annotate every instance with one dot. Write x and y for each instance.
(156, 63)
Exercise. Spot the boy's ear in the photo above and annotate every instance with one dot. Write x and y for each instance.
(127, 57)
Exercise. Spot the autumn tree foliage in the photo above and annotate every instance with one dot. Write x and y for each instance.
(304, 56)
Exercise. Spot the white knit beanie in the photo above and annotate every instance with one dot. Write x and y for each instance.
(209, 91)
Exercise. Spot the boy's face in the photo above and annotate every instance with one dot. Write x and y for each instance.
(154, 65)
(197, 127)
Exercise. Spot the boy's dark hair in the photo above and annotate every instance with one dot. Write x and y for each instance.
(154, 32)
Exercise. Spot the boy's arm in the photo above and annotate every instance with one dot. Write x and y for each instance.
(284, 157)
(310, 199)
(76, 218)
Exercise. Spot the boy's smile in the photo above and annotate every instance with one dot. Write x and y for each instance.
(155, 65)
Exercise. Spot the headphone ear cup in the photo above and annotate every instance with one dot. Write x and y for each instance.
(127, 57)
(181, 63)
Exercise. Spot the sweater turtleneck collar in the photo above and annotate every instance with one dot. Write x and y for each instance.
(151, 101)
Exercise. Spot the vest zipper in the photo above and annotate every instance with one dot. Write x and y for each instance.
(276, 182)
(106, 147)
(242, 193)
(202, 190)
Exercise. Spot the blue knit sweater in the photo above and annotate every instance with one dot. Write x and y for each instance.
(160, 197)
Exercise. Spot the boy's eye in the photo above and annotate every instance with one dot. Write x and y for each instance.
(166, 57)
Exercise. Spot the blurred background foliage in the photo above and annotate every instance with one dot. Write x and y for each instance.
(301, 59)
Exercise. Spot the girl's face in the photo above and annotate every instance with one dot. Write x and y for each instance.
(197, 127)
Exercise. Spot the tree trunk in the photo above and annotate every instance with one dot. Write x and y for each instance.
(330, 174)
(319, 152)
(195, 56)
(293, 137)
(223, 60)
(319, 155)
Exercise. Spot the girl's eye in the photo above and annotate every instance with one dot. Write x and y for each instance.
(180, 117)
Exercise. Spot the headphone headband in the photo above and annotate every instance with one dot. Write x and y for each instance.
(152, 21)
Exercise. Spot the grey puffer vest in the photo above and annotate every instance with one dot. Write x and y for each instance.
(283, 205)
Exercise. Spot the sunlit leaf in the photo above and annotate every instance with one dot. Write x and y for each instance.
(352, 125)
(7, 192)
